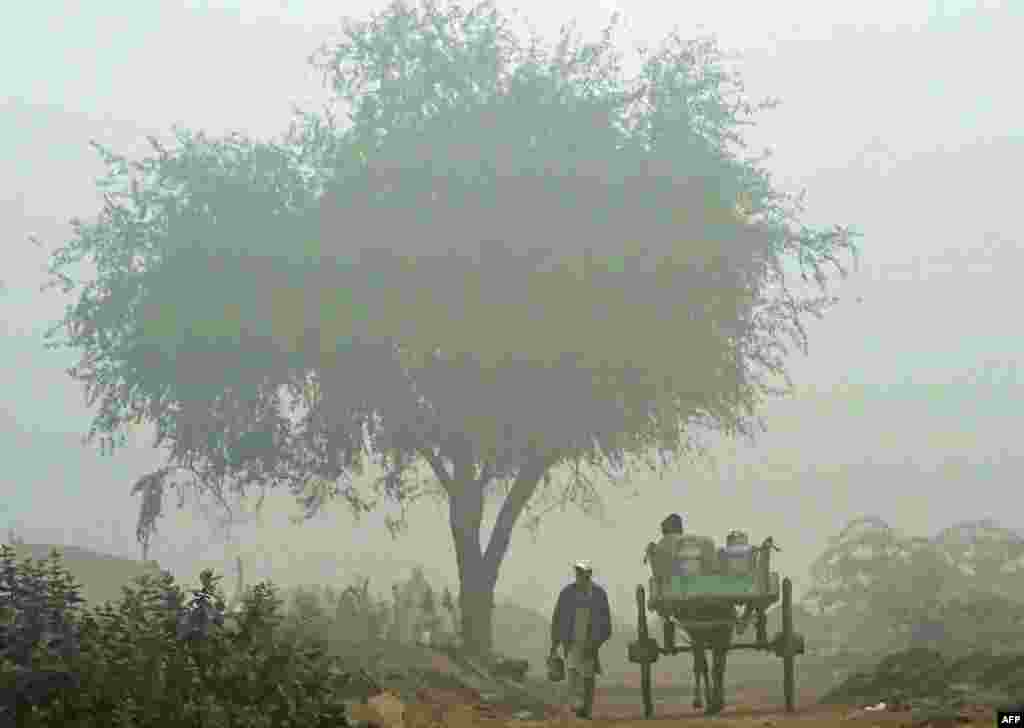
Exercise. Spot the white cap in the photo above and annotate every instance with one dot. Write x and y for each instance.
(583, 565)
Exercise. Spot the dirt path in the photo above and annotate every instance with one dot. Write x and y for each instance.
(623, 702)
(616, 706)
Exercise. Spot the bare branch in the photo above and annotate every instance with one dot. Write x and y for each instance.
(436, 464)
(486, 473)
(522, 490)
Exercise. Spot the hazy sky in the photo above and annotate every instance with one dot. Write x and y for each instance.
(897, 117)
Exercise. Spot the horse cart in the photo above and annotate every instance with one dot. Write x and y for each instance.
(703, 610)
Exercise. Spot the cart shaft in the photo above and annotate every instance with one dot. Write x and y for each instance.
(766, 646)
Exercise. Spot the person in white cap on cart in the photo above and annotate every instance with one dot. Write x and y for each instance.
(581, 624)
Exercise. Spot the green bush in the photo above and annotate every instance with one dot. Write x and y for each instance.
(927, 677)
(155, 659)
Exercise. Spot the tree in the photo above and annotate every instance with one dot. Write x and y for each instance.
(394, 633)
(988, 556)
(871, 580)
(378, 620)
(448, 603)
(515, 270)
(882, 589)
(428, 610)
(427, 605)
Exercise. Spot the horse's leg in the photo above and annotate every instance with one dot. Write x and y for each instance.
(718, 657)
(700, 670)
(721, 642)
(707, 682)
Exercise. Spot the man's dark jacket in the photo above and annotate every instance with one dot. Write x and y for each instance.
(565, 615)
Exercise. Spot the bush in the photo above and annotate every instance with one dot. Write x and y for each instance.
(925, 676)
(155, 659)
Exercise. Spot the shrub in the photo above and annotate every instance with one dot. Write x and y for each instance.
(155, 659)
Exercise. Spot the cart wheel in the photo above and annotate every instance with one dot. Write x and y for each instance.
(788, 646)
(645, 667)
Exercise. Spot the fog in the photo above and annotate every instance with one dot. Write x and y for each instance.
(896, 117)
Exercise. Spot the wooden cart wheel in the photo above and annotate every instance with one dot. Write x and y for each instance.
(645, 667)
(788, 646)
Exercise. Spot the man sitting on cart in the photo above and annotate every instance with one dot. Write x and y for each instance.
(662, 555)
(582, 623)
(671, 529)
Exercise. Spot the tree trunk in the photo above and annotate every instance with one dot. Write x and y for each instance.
(476, 585)
(477, 609)
(478, 568)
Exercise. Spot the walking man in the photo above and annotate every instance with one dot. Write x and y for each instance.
(581, 624)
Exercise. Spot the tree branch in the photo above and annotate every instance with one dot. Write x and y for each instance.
(440, 472)
(519, 495)
(486, 473)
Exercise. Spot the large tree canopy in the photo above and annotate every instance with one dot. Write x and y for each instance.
(512, 262)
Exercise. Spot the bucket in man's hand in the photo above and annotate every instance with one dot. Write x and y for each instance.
(556, 668)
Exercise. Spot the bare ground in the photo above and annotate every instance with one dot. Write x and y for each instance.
(619, 705)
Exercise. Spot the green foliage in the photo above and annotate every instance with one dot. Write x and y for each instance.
(513, 261)
(881, 590)
(155, 658)
(499, 217)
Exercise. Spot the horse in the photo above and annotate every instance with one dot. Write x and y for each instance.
(709, 686)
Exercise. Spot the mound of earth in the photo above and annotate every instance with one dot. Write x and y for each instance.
(926, 681)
